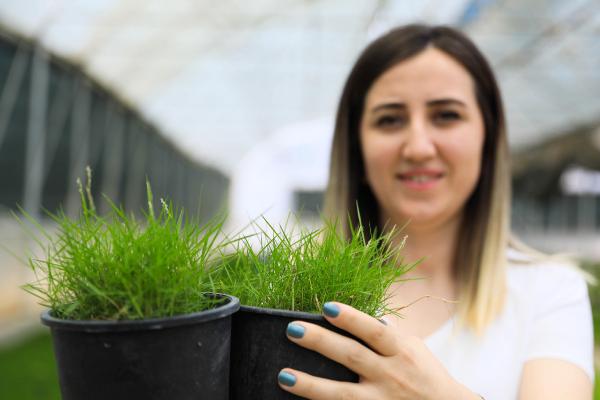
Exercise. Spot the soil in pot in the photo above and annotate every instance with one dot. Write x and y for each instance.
(181, 357)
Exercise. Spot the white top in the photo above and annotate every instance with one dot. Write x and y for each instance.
(547, 315)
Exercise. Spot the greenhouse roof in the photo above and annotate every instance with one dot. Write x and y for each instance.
(218, 77)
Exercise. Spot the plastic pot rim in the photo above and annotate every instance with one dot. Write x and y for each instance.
(97, 326)
(283, 313)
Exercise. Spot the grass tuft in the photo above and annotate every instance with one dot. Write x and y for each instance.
(300, 272)
(116, 267)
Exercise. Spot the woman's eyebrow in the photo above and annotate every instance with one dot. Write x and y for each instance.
(388, 106)
(431, 103)
(445, 102)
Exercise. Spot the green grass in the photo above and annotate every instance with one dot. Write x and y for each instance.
(594, 291)
(28, 371)
(300, 272)
(117, 267)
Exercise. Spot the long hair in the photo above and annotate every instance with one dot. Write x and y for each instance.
(479, 258)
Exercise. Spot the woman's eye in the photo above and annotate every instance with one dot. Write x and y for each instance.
(388, 121)
(446, 116)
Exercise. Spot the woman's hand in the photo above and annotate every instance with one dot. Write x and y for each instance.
(395, 367)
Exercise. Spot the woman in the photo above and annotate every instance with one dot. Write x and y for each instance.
(420, 138)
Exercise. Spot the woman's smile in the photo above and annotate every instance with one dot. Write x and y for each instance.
(420, 179)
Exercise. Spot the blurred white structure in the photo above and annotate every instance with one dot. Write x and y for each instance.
(263, 184)
(581, 181)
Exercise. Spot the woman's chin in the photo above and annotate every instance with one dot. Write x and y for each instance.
(422, 219)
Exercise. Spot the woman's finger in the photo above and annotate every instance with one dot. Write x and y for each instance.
(334, 346)
(315, 388)
(377, 335)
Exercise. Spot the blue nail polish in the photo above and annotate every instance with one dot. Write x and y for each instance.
(286, 379)
(331, 310)
(295, 330)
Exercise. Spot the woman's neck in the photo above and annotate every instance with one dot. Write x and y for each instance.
(436, 246)
(432, 289)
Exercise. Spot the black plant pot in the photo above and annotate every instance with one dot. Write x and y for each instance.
(181, 357)
(260, 349)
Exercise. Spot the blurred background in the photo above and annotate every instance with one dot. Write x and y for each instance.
(228, 106)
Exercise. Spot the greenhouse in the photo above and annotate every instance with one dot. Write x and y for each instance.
(228, 110)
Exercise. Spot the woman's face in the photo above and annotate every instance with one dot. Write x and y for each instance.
(422, 136)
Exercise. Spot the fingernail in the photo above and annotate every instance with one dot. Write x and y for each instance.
(383, 321)
(331, 310)
(287, 379)
(295, 330)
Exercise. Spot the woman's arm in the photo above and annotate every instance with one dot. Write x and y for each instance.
(559, 351)
(395, 367)
(553, 379)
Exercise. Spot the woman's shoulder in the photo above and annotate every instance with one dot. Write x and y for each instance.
(550, 295)
(523, 262)
(545, 275)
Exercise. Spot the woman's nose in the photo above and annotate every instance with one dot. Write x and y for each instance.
(418, 145)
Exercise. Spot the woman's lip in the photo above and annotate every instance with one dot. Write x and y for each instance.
(428, 173)
(420, 186)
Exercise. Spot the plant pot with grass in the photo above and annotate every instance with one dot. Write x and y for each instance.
(132, 310)
(290, 277)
